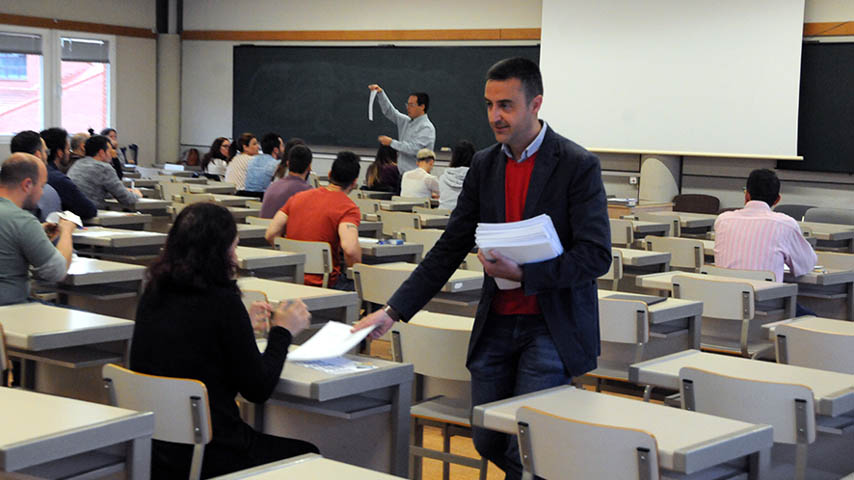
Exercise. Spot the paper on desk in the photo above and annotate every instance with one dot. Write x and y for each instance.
(54, 217)
(338, 365)
(371, 105)
(333, 340)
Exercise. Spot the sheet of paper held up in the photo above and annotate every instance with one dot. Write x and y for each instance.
(333, 340)
(371, 105)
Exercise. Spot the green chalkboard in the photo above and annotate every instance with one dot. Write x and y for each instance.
(321, 94)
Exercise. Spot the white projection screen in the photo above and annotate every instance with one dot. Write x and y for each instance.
(674, 75)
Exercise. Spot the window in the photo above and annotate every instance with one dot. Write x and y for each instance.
(52, 78)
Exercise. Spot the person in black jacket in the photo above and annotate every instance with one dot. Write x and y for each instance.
(191, 323)
(56, 140)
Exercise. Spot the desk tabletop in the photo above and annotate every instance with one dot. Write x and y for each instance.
(642, 258)
(828, 276)
(692, 220)
(460, 280)
(140, 182)
(810, 322)
(107, 218)
(93, 271)
(371, 247)
(240, 213)
(443, 321)
(433, 220)
(213, 187)
(249, 258)
(834, 392)
(315, 298)
(308, 466)
(142, 204)
(641, 226)
(36, 327)
(400, 205)
(668, 310)
(687, 441)
(229, 200)
(248, 231)
(829, 231)
(38, 428)
(116, 238)
(764, 290)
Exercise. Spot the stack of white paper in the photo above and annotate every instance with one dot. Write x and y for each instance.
(526, 241)
(333, 340)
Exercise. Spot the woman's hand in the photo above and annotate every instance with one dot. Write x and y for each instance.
(292, 315)
(259, 313)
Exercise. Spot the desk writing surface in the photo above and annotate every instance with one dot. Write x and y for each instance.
(763, 289)
(250, 258)
(693, 220)
(834, 392)
(829, 231)
(313, 297)
(432, 220)
(108, 218)
(310, 466)
(91, 271)
(668, 310)
(443, 321)
(36, 327)
(811, 322)
(140, 182)
(213, 187)
(371, 248)
(248, 231)
(687, 441)
(641, 226)
(830, 276)
(460, 280)
(641, 258)
(229, 200)
(399, 205)
(117, 238)
(141, 204)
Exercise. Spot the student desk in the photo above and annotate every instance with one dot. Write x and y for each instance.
(641, 228)
(147, 205)
(811, 322)
(325, 303)
(55, 339)
(376, 195)
(102, 286)
(140, 182)
(688, 442)
(213, 187)
(370, 228)
(429, 220)
(674, 326)
(271, 264)
(229, 200)
(252, 235)
(240, 213)
(694, 221)
(373, 253)
(640, 262)
(831, 236)
(127, 220)
(123, 245)
(307, 466)
(818, 288)
(346, 415)
(400, 205)
(834, 392)
(48, 436)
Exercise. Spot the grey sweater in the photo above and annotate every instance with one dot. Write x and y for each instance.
(98, 179)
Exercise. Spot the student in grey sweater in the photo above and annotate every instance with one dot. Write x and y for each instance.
(96, 178)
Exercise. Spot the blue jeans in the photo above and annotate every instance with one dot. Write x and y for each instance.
(514, 355)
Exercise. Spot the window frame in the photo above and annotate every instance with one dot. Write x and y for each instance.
(51, 81)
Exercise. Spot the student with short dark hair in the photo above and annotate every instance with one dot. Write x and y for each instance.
(73, 200)
(31, 143)
(96, 178)
(325, 214)
(280, 191)
(263, 166)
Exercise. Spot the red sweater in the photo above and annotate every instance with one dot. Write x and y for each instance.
(517, 176)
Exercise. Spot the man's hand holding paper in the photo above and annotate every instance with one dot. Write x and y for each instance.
(499, 266)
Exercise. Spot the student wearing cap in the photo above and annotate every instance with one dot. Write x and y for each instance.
(419, 183)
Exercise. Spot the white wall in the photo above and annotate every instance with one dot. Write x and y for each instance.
(126, 13)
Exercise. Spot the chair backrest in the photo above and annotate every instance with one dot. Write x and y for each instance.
(313, 180)
(663, 217)
(587, 450)
(427, 237)
(836, 261)
(432, 211)
(425, 202)
(696, 203)
(318, 255)
(435, 352)
(814, 348)
(794, 210)
(728, 300)
(788, 407)
(396, 221)
(472, 263)
(623, 321)
(766, 275)
(180, 406)
(685, 253)
(190, 198)
(252, 220)
(167, 189)
(622, 233)
(376, 284)
(5, 365)
(839, 216)
(615, 271)
(367, 205)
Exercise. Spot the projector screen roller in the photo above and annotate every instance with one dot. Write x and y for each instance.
(674, 75)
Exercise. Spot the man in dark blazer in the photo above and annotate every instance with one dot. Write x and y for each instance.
(542, 334)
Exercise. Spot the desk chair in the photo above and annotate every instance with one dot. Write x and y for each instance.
(622, 234)
(438, 353)
(789, 408)
(586, 450)
(367, 205)
(663, 217)
(615, 271)
(191, 198)
(169, 399)
(696, 203)
(794, 210)
(839, 216)
(723, 302)
(625, 322)
(252, 220)
(318, 255)
(765, 275)
(427, 237)
(432, 211)
(812, 348)
(396, 221)
(313, 180)
(5, 364)
(376, 285)
(167, 189)
(685, 253)
(472, 263)
(425, 201)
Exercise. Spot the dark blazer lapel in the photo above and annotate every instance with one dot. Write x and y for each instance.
(492, 187)
(544, 165)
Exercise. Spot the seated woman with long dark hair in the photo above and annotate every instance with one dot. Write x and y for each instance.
(191, 323)
(216, 160)
(382, 175)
